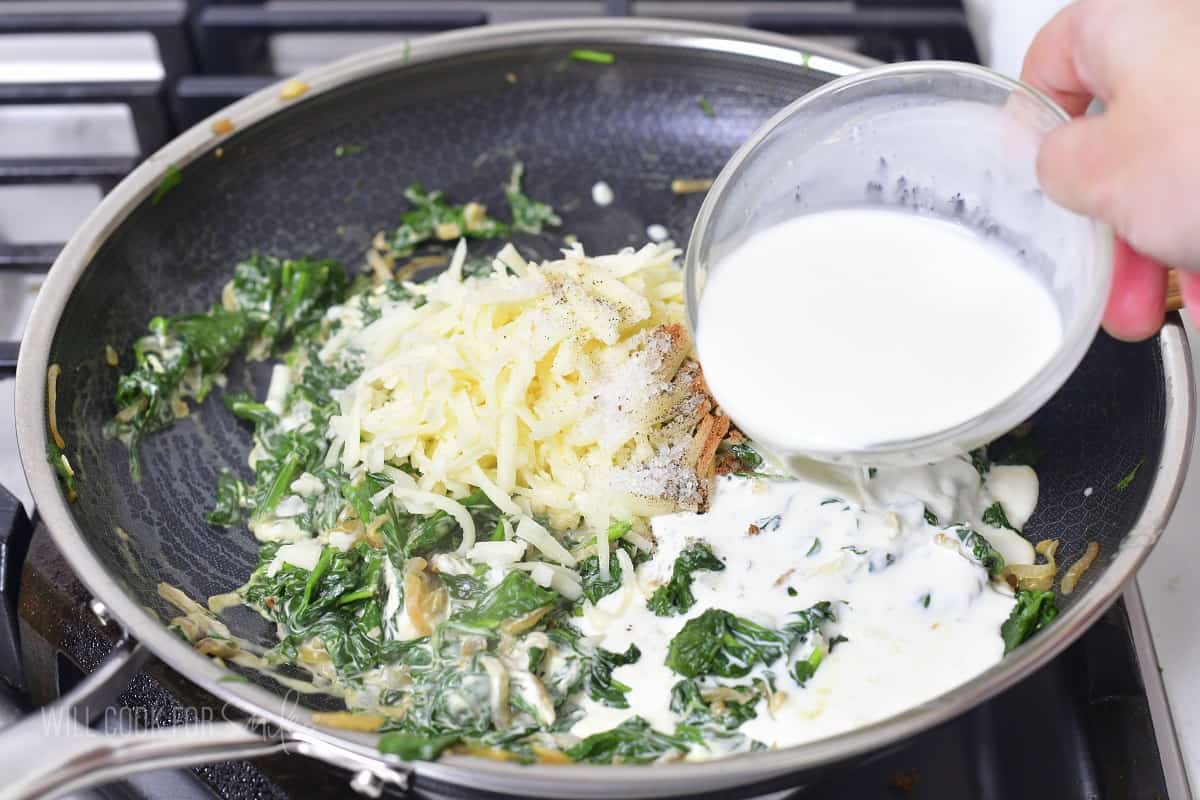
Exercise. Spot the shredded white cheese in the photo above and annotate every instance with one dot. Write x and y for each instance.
(537, 385)
(277, 391)
(544, 541)
(497, 554)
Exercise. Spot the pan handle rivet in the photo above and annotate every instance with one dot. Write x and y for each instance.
(367, 783)
(101, 611)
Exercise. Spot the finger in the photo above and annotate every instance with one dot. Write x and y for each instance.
(1189, 290)
(1136, 303)
(1050, 63)
(1076, 164)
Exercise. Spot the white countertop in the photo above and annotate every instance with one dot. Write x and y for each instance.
(1170, 585)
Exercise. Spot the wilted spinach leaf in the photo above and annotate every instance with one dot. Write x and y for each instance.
(631, 742)
(981, 550)
(232, 499)
(675, 596)
(1034, 610)
(415, 746)
(512, 598)
(593, 667)
(719, 643)
(994, 515)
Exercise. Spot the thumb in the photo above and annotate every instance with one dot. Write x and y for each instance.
(1075, 163)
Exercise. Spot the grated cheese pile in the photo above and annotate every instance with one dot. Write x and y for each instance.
(562, 388)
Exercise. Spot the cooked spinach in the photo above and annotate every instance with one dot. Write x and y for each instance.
(631, 742)
(1124, 483)
(596, 586)
(170, 179)
(284, 297)
(724, 712)
(805, 668)
(719, 643)
(513, 598)
(245, 407)
(415, 746)
(930, 517)
(232, 500)
(528, 215)
(446, 697)
(337, 603)
(464, 587)
(433, 218)
(807, 622)
(1033, 611)
(981, 550)
(62, 467)
(183, 356)
(994, 515)
(722, 644)
(590, 668)
(675, 596)
(593, 56)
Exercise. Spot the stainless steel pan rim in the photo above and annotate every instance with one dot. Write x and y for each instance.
(585, 781)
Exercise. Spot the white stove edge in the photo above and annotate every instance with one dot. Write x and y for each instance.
(1168, 586)
(1166, 733)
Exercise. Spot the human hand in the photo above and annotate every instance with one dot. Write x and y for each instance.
(1136, 166)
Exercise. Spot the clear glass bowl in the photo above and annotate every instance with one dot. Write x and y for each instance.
(955, 141)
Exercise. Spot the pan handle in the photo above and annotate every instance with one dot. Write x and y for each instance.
(52, 752)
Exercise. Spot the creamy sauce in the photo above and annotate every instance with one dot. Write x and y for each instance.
(920, 616)
(849, 328)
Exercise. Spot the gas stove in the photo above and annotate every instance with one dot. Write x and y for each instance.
(88, 89)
